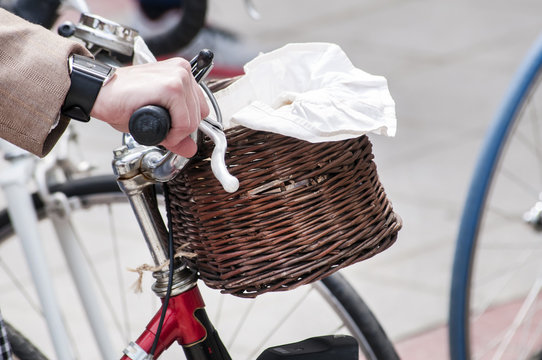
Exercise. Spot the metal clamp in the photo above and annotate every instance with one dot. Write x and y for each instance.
(135, 352)
(106, 34)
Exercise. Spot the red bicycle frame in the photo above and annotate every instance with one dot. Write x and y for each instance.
(186, 323)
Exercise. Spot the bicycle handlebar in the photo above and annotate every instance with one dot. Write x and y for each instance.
(149, 125)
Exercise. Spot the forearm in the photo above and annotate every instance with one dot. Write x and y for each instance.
(34, 82)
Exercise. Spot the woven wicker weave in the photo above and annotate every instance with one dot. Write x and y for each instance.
(303, 211)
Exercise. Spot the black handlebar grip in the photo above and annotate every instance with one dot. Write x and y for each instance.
(150, 124)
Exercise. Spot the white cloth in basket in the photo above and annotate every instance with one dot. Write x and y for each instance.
(309, 91)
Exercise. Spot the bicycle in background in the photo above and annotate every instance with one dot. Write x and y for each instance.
(496, 285)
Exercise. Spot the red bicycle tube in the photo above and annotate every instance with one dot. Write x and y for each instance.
(180, 324)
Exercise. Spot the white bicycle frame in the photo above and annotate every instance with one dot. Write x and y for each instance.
(24, 167)
(15, 182)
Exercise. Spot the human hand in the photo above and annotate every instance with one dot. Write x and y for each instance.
(169, 84)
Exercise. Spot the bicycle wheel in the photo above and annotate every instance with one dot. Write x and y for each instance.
(495, 295)
(21, 347)
(246, 326)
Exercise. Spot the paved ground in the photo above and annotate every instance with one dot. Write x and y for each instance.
(448, 64)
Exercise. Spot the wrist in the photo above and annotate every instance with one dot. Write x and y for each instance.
(87, 78)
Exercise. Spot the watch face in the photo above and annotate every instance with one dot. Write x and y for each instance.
(91, 66)
(87, 78)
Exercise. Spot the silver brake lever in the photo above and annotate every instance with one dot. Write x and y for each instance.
(162, 165)
(218, 164)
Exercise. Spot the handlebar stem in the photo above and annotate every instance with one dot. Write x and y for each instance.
(143, 202)
(127, 165)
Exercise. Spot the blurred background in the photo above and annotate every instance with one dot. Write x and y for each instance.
(448, 65)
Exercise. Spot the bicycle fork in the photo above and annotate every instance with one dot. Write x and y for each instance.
(185, 321)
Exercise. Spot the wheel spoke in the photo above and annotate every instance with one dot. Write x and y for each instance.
(20, 287)
(126, 331)
(519, 318)
(280, 322)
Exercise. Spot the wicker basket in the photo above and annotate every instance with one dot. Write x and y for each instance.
(303, 211)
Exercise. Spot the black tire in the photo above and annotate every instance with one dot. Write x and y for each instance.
(44, 12)
(179, 36)
(375, 342)
(346, 303)
(22, 348)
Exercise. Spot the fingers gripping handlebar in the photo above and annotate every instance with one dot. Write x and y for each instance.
(149, 125)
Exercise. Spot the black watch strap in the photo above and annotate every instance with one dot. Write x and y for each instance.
(87, 78)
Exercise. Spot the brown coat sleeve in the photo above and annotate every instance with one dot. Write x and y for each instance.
(34, 81)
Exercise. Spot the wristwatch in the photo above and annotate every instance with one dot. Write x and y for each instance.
(87, 78)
